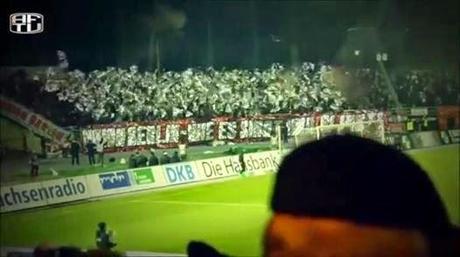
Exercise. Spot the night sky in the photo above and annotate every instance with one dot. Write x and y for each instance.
(231, 34)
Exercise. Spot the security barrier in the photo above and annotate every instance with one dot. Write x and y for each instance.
(44, 193)
(39, 194)
(124, 181)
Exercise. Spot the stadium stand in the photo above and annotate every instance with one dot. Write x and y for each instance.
(115, 94)
(128, 106)
(136, 110)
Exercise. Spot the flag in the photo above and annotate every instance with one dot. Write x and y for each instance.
(62, 59)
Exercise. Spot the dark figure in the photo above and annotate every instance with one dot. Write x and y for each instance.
(166, 159)
(67, 251)
(141, 160)
(91, 148)
(200, 249)
(75, 152)
(379, 202)
(284, 132)
(132, 162)
(70, 251)
(242, 163)
(153, 160)
(175, 157)
(102, 253)
(104, 240)
(34, 165)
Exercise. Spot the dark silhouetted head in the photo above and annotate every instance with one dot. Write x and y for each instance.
(350, 196)
(101, 225)
(200, 249)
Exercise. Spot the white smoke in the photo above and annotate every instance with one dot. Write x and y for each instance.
(166, 19)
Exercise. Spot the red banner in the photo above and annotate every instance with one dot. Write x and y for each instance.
(35, 122)
(448, 114)
(167, 134)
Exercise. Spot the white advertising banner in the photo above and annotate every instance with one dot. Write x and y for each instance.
(180, 173)
(31, 195)
(219, 167)
(66, 189)
(21, 197)
(262, 162)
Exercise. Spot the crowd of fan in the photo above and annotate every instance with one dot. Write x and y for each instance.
(28, 90)
(116, 94)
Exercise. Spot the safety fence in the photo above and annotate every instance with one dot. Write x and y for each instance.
(64, 190)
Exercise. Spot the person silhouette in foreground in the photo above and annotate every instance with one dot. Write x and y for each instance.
(345, 196)
(201, 249)
(104, 238)
(46, 250)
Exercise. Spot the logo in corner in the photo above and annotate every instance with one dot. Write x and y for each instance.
(27, 23)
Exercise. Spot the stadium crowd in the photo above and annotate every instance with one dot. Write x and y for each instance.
(116, 94)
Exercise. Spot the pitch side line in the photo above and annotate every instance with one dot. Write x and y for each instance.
(255, 205)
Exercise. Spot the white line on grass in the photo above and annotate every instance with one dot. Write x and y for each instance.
(255, 205)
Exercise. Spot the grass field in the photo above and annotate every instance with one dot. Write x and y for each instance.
(230, 215)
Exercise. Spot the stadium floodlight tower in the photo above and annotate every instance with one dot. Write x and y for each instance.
(363, 45)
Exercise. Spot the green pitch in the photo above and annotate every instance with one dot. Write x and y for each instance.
(230, 215)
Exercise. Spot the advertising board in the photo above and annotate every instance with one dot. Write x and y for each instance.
(179, 173)
(114, 180)
(143, 176)
(38, 194)
(262, 162)
(219, 167)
